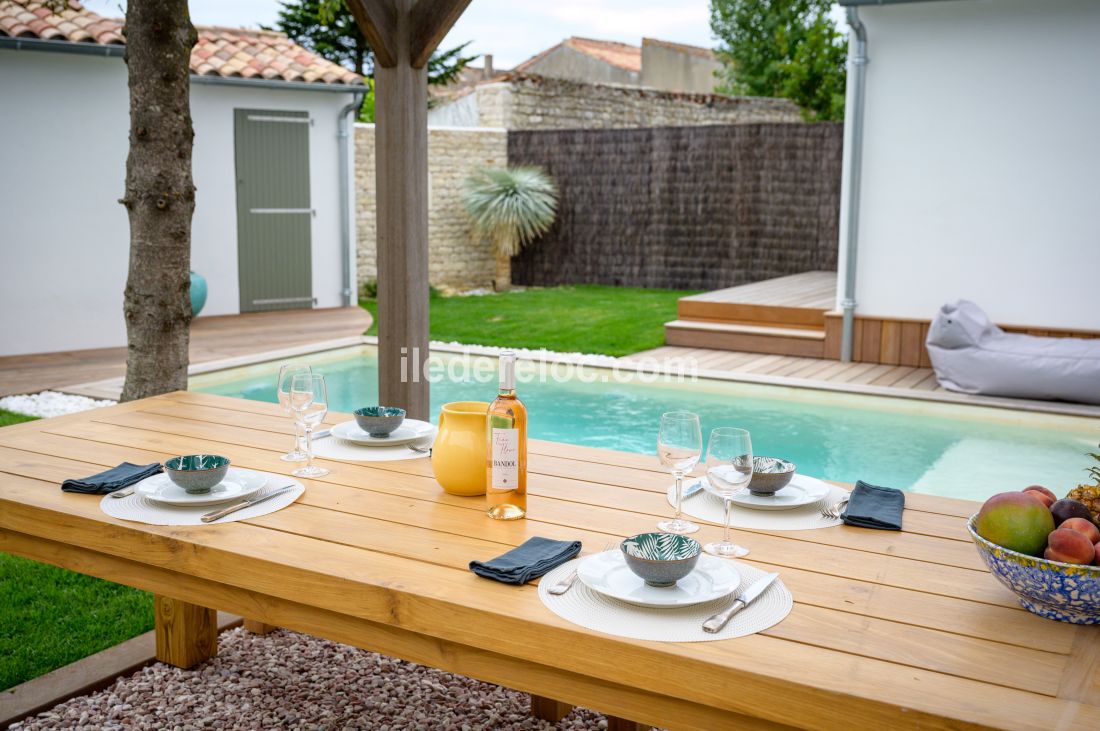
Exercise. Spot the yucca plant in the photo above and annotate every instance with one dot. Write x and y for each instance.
(511, 207)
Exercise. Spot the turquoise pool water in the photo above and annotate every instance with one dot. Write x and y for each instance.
(960, 451)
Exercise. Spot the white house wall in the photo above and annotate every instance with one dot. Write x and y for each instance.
(65, 237)
(980, 161)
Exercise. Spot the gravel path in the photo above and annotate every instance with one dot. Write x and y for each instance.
(286, 680)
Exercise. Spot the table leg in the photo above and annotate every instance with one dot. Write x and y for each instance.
(614, 723)
(257, 627)
(186, 633)
(548, 709)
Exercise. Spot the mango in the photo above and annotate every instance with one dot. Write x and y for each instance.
(1016, 521)
(1085, 527)
(1069, 546)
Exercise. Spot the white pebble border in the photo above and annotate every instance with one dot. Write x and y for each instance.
(541, 354)
(286, 680)
(51, 403)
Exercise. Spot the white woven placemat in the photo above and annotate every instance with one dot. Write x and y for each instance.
(138, 508)
(587, 608)
(708, 507)
(336, 448)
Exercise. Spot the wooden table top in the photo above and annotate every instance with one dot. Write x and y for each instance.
(889, 629)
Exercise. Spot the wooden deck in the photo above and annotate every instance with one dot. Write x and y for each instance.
(797, 316)
(822, 371)
(783, 316)
(212, 338)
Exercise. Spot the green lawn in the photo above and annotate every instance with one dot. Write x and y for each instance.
(586, 318)
(10, 417)
(50, 617)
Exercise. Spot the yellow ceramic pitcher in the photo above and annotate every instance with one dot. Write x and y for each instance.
(458, 454)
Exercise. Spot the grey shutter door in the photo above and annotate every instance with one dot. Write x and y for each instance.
(274, 216)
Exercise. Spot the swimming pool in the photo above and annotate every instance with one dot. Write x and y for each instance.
(943, 449)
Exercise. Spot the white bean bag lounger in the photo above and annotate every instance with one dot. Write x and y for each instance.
(972, 355)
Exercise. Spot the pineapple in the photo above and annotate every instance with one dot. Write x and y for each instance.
(1089, 494)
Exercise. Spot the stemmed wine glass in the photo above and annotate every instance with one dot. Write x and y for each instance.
(309, 401)
(729, 471)
(287, 371)
(679, 446)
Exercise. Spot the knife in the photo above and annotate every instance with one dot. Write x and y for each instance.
(218, 514)
(322, 434)
(693, 489)
(718, 621)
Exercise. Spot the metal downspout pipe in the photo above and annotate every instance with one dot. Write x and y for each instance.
(857, 73)
(347, 149)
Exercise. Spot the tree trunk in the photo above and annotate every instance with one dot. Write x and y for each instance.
(160, 196)
(503, 280)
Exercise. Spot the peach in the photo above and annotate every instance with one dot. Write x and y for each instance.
(1040, 493)
(1097, 548)
(1069, 546)
(1015, 521)
(1084, 527)
(1041, 490)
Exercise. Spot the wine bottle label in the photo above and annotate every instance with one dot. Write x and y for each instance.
(505, 459)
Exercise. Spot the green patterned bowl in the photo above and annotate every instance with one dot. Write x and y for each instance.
(661, 559)
(379, 421)
(770, 475)
(197, 473)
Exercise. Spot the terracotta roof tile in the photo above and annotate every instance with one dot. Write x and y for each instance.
(622, 55)
(225, 51)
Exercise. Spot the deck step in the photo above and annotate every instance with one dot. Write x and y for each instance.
(804, 342)
(697, 309)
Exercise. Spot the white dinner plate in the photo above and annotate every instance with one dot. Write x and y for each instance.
(238, 485)
(607, 573)
(801, 490)
(410, 431)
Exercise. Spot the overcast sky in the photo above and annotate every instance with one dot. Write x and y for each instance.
(511, 30)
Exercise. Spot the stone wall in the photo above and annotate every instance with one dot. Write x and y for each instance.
(455, 259)
(523, 101)
(684, 207)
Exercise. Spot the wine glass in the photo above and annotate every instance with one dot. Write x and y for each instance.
(287, 371)
(309, 401)
(729, 471)
(679, 446)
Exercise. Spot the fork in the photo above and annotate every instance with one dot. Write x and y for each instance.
(564, 585)
(833, 511)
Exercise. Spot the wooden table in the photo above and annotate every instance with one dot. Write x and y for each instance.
(889, 630)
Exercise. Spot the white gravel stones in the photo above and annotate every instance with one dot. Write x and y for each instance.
(50, 403)
(286, 680)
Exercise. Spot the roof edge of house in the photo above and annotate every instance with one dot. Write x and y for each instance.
(116, 50)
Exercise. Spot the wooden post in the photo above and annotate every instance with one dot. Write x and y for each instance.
(186, 633)
(403, 35)
(257, 627)
(401, 150)
(548, 709)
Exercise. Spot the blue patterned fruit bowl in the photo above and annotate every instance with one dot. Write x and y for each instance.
(1062, 591)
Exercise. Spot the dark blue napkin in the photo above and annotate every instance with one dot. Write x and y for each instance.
(528, 561)
(116, 478)
(871, 506)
